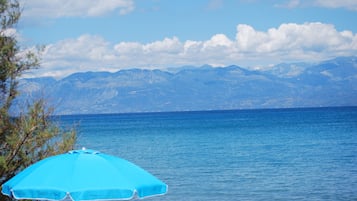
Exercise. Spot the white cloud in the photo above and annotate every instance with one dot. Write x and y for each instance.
(166, 46)
(218, 40)
(128, 48)
(297, 40)
(85, 53)
(74, 8)
(286, 43)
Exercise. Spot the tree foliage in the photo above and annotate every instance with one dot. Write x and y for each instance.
(31, 135)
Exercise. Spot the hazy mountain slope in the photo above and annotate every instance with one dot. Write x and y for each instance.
(329, 83)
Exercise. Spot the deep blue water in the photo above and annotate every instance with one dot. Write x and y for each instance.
(280, 154)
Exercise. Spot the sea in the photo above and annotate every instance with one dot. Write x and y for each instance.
(260, 154)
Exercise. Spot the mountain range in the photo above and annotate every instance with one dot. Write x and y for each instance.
(289, 85)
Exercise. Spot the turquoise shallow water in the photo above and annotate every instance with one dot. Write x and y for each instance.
(280, 154)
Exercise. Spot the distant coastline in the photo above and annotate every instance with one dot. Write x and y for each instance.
(217, 111)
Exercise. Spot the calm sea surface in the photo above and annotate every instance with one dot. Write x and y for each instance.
(280, 154)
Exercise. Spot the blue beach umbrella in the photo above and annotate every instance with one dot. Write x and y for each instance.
(83, 175)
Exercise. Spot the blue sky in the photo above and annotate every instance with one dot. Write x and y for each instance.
(110, 35)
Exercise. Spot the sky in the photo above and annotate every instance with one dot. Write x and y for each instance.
(111, 35)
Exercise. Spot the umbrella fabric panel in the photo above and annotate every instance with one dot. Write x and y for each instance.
(83, 175)
(31, 183)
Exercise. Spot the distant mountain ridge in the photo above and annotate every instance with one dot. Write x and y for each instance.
(328, 83)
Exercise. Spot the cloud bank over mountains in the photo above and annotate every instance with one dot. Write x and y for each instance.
(289, 42)
(248, 46)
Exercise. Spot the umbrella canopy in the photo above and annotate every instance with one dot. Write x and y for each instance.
(83, 175)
